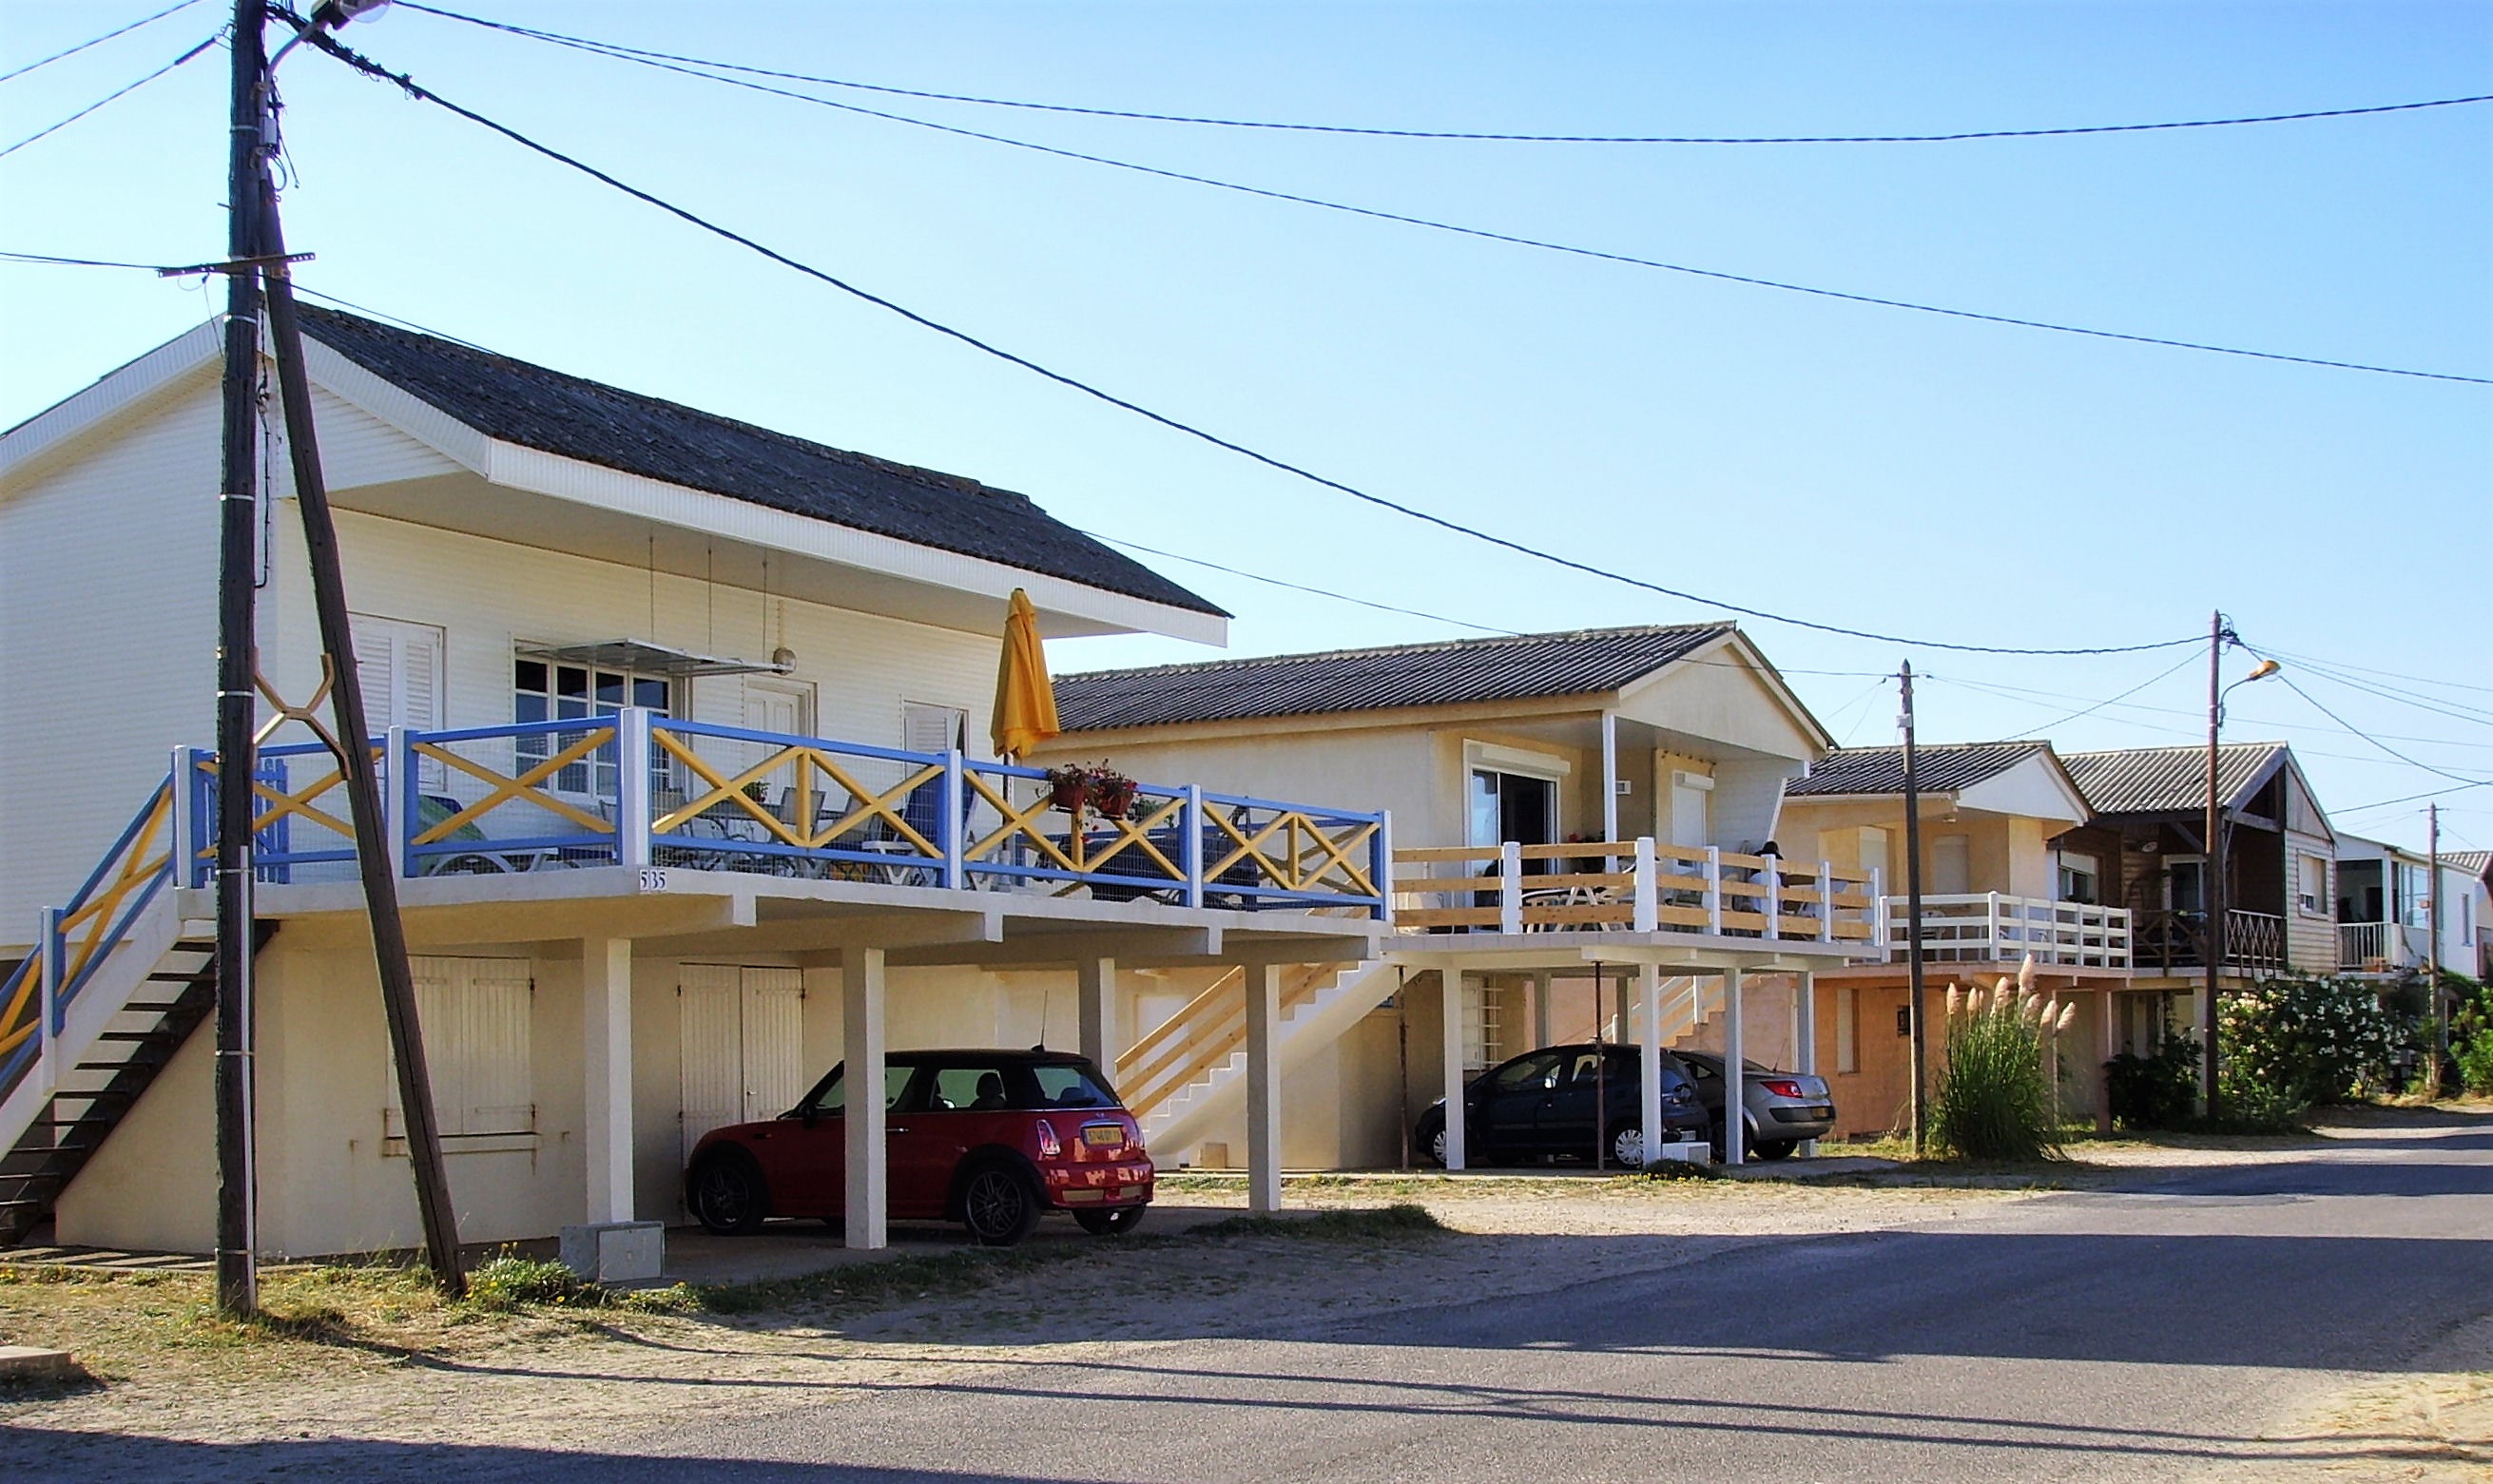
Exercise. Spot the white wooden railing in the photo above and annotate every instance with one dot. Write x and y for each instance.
(2363, 943)
(1629, 885)
(1994, 928)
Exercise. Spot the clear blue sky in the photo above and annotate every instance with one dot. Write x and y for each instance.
(1862, 466)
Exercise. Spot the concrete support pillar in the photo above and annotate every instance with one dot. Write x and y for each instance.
(861, 1050)
(1649, 1059)
(1450, 1053)
(606, 1028)
(1734, 1131)
(2107, 1046)
(1540, 1009)
(1805, 1035)
(1263, 1088)
(1098, 1014)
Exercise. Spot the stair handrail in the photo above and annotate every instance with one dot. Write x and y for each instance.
(1130, 1059)
(98, 906)
(1152, 1089)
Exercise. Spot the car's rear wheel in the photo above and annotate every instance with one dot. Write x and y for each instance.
(1626, 1146)
(998, 1206)
(1114, 1222)
(726, 1195)
(1776, 1148)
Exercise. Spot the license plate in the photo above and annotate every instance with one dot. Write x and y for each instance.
(1104, 1135)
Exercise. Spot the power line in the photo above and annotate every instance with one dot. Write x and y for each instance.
(2408, 798)
(2388, 674)
(2456, 710)
(1321, 592)
(97, 40)
(2021, 690)
(427, 95)
(628, 54)
(1466, 135)
(205, 42)
(75, 262)
(2186, 660)
(2288, 677)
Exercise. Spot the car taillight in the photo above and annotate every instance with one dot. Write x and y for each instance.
(1781, 1087)
(1049, 1147)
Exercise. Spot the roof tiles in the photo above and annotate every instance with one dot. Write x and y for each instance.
(2169, 780)
(1939, 768)
(1455, 672)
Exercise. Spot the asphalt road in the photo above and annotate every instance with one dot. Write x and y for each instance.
(2139, 1333)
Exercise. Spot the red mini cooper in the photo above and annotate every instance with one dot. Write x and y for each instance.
(989, 1139)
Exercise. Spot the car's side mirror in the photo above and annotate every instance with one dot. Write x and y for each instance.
(809, 1116)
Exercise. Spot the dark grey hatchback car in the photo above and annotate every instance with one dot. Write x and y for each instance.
(1553, 1104)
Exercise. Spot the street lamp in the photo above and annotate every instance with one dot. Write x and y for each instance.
(2211, 887)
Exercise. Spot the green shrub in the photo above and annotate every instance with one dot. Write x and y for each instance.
(2155, 1091)
(508, 1281)
(2471, 1033)
(1995, 1095)
(2245, 1105)
(2306, 1040)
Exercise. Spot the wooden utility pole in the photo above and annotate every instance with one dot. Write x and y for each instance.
(2211, 874)
(2432, 945)
(1916, 999)
(258, 247)
(237, 666)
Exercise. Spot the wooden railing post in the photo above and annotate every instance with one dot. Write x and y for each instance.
(1714, 890)
(1382, 870)
(1826, 901)
(954, 877)
(1881, 932)
(1510, 887)
(1191, 845)
(1648, 898)
(398, 797)
(1991, 923)
(632, 787)
(48, 1008)
(188, 869)
(1771, 896)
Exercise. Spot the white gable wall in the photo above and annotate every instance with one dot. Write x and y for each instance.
(108, 641)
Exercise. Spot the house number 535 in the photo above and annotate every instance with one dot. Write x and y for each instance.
(653, 880)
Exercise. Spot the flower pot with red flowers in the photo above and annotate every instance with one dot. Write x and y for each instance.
(1112, 793)
(1069, 787)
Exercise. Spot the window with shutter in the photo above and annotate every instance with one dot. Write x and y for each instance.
(399, 665)
(474, 1014)
(925, 728)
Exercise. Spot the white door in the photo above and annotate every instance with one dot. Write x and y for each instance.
(742, 1033)
(784, 709)
(1691, 794)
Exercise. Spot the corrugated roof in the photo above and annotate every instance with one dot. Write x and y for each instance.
(1941, 769)
(1455, 672)
(2474, 862)
(518, 402)
(2163, 780)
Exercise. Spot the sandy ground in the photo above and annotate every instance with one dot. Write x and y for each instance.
(410, 1371)
(572, 1380)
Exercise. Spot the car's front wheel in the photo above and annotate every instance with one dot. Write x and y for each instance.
(1627, 1146)
(1114, 1222)
(726, 1195)
(998, 1206)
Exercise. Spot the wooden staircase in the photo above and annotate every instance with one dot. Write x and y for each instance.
(92, 1095)
(1192, 1067)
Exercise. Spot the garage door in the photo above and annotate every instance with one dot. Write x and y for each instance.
(742, 1033)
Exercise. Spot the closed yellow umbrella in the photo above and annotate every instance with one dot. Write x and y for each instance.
(1025, 698)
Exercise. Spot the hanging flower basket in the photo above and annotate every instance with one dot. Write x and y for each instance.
(1069, 787)
(1112, 793)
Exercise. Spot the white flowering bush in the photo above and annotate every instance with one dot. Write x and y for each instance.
(2306, 1040)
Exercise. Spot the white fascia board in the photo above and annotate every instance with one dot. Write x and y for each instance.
(1760, 667)
(396, 406)
(699, 510)
(2031, 788)
(24, 448)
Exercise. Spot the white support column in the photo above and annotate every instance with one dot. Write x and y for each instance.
(2107, 1046)
(189, 868)
(1649, 1059)
(1714, 890)
(605, 1031)
(1805, 1034)
(862, 1053)
(955, 791)
(1826, 901)
(49, 968)
(1734, 1131)
(1450, 1046)
(1263, 1088)
(1097, 1013)
(1648, 898)
(1541, 1007)
(1510, 887)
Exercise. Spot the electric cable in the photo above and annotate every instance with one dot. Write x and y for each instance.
(2059, 720)
(47, 259)
(2386, 674)
(2004, 688)
(99, 40)
(1462, 135)
(2288, 677)
(205, 42)
(1321, 592)
(416, 90)
(2408, 798)
(623, 54)
(2456, 710)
